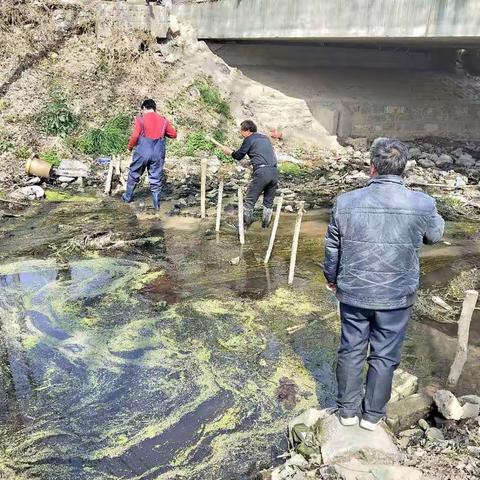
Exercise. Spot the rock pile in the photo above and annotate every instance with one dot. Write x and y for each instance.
(443, 441)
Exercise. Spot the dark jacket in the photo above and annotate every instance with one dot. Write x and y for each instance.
(373, 242)
(259, 149)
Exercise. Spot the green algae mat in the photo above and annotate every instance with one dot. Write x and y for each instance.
(131, 349)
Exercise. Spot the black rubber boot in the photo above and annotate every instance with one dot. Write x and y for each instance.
(248, 218)
(267, 217)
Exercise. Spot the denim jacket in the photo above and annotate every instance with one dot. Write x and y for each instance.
(373, 242)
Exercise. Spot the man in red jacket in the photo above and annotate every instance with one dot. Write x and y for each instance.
(148, 140)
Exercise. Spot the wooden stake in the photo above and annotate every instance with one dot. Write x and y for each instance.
(117, 166)
(241, 230)
(296, 235)
(274, 229)
(219, 205)
(203, 187)
(108, 183)
(471, 297)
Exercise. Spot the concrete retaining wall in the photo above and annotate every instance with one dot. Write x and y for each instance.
(131, 16)
(435, 21)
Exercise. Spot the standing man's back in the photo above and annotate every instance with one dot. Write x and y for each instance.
(372, 262)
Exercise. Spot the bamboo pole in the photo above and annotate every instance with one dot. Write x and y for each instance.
(296, 235)
(219, 205)
(203, 187)
(241, 230)
(274, 229)
(471, 297)
(108, 183)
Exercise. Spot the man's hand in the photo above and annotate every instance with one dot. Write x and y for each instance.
(227, 151)
(332, 287)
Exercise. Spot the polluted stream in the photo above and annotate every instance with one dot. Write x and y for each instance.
(131, 348)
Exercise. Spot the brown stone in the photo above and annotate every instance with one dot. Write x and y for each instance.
(408, 411)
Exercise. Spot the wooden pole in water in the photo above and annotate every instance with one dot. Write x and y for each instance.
(241, 230)
(274, 230)
(117, 165)
(296, 235)
(203, 187)
(468, 307)
(219, 205)
(108, 183)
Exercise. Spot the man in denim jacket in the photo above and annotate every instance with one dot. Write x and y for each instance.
(372, 250)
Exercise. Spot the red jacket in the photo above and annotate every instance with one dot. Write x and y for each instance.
(154, 127)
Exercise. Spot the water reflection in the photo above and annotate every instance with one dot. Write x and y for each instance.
(179, 365)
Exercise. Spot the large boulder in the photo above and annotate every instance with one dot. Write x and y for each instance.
(444, 162)
(408, 411)
(465, 161)
(337, 441)
(448, 405)
(356, 470)
(32, 192)
(414, 153)
(426, 163)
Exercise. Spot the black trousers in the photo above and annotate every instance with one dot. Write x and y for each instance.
(265, 180)
(383, 331)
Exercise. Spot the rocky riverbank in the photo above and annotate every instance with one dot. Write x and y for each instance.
(315, 178)
(442, 441)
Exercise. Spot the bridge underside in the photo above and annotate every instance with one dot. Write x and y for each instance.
(364, 67)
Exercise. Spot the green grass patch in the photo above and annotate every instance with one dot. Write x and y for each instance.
(51, 157)
(110, 139)
(451, 207)
(56, 117)
(54, 196)
(6, 143)
(196, 144)
(212, 97)
(23, 153)
(290, 169)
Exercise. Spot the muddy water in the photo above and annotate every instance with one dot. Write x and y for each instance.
(131, 348)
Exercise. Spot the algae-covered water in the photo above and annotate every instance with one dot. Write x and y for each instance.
(130, 347)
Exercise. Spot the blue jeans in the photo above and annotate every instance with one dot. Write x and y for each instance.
(382, 330)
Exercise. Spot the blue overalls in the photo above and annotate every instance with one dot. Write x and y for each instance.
(148, 154)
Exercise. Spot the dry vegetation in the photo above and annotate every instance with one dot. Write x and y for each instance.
(63, 91)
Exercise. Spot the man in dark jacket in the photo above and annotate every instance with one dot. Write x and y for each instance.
(265, 173)
(372, 263)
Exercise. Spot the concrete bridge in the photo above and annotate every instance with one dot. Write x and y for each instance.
(413, 21)
(456, 22)
(324, 51)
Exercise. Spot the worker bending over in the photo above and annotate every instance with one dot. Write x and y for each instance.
(148, 139)
(265, 174)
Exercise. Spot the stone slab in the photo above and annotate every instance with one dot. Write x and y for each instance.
(338, 441)
(356, 470)
(404, 385)
(408, 411)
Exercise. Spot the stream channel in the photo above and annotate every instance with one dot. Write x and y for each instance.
(130, 347)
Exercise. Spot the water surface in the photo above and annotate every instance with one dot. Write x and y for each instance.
(155, 358)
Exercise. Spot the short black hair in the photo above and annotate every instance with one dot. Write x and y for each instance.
(149, 105)
(388, 156)
(248, 126)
